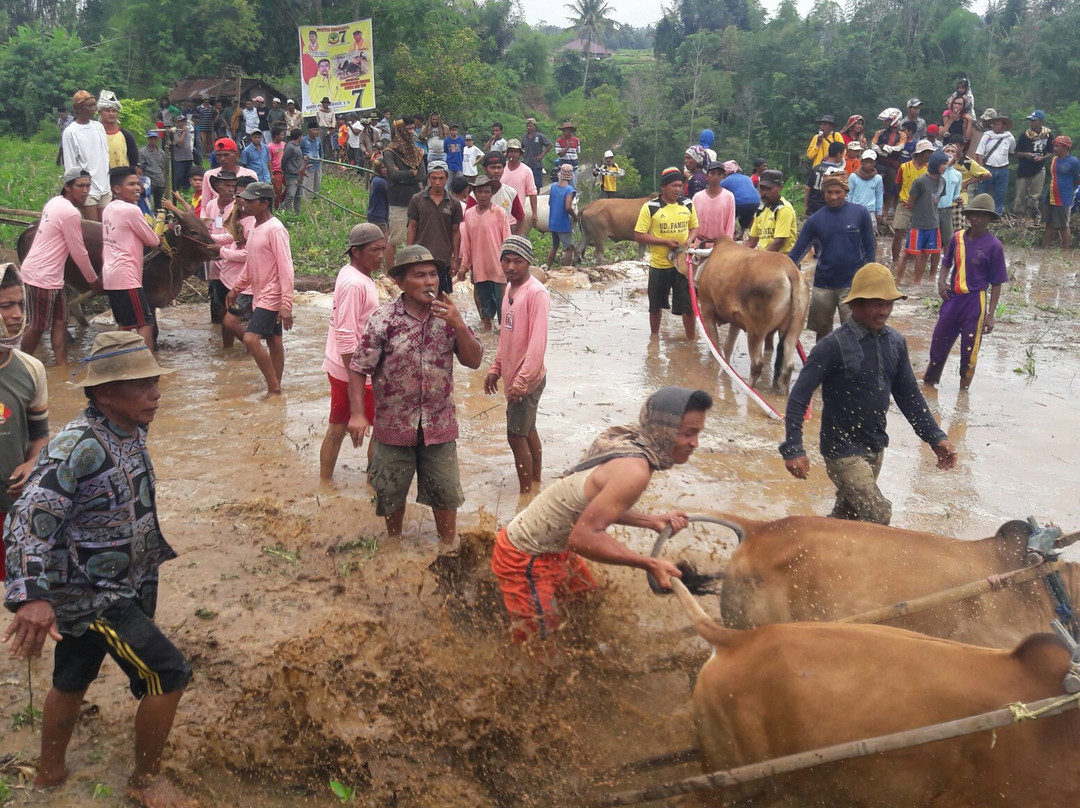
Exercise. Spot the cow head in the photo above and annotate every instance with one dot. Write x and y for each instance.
(188, 236)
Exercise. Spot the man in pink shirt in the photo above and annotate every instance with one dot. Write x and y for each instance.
(269, 271)
(483, 231)
(239, 225)
(124, 233)
(228, 159)
(519, 360)
(505, 196)
(715, 207)
(58, 236)
(355, 298)
(520, 177)
(214, 215)
(276, 147)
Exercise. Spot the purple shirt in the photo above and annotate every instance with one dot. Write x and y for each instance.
(976, 263)
(411, 365)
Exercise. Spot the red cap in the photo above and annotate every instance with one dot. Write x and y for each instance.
(932, 129)
(225, 144)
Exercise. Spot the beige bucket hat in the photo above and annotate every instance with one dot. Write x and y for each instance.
(873, 282)
(119, 356)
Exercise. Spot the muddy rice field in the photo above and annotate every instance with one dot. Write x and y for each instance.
(324, 653)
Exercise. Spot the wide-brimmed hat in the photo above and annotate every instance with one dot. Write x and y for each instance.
(983, 203)
(411, 256)
(222, 176)
(568, 125)
(119, 356)
(873, 282)
(988, 114)
(826, 119)
(1001, 116)
(481, 180)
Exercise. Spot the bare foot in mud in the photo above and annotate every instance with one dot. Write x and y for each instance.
(160, 793)
(46, 779)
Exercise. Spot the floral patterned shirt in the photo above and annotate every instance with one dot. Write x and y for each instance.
(411, 365)
(85, 533)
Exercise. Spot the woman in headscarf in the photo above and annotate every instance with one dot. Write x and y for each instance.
(854, 131)
(695, 161)
(538, 556)
(405, 176)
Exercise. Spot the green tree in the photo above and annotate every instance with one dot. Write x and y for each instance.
(440, 72)
(602, 122)
(592, 19)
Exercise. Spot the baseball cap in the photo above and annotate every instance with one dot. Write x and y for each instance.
(494, 156)
(924, 146)
(513, 143)
(932, 129)
(531, 120)
(258, 190)
(225, 144)
(869, 154)
(74, 173)
(1037, 115)
(771, 178)
(826, 119)
(609, 153)
(468, 137)
(363, 233)
(277, 101)
(914, 102)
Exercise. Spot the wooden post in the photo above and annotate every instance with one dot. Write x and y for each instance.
(846, 751)
(963, 592)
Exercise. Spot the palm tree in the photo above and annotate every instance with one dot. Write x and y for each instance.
(592, 20)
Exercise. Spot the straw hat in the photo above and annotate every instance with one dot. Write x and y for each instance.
(873, 282)
(119, 356)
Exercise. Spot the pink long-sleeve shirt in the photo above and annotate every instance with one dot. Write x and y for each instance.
(716, 215)
(355, 298)
(482, 234)
(519, 360)
(124, 234)
(269, 267)
(59, 235)
(233, 256)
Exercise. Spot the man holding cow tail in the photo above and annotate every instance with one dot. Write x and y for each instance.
(859, 366)
(667, 224)
(538, 556)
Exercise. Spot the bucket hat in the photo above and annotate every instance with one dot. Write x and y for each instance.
(873, 282)
(410, 257)
(483, 179)
(983, 203)
(222, 176)
(119, 356)
(568, 125)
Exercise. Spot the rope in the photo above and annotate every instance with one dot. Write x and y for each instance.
(1021, 712)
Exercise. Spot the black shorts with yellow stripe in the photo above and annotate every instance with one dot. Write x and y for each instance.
(152, 663)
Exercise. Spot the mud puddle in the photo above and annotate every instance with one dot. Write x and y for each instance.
(323, 652)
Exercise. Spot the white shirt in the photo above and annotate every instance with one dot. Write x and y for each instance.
(469, 156)
(1000, 157)
(355, 128)
(86, 146)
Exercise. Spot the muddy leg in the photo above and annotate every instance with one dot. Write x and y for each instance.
(277, 357)
(689, 326)
(654, 322)
(537, 452)
(394, 522)
(523, 460)
(58, 718)
(153, 721)
(897, 242)
(330, 449)
(265, 364)
(900, 267)
(59, 338)
(920, 266)
(445, 524)
(147, 333)
(32, 338)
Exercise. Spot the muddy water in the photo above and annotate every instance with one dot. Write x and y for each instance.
(322, 653)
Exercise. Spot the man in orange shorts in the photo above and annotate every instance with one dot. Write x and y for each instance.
(355, 298)
(538, 556)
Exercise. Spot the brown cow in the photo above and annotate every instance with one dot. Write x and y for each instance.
(784, 689)
(756, 291)
(604, 219)
(816, 568)
(164, 271)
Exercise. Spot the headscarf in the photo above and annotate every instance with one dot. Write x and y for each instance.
(652, 438)
(8, 341)
(731, 167)
(108, 100)
(891, 116)
(1063, 140)
(854, 119)
(697, 153)
(834, 178)
(404, 146)
(566, 172)
(80, 97)
(707, 139)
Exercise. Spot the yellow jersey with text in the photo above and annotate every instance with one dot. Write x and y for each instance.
(674, 221)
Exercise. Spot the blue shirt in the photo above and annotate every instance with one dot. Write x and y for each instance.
(454, 148)
(312, 149)
(378, 206)
(868, 193)
(258, 160)
(857, 371)
(953, 179)
(1066, 171)
(558, 218)
(847, 242)
(743, 188)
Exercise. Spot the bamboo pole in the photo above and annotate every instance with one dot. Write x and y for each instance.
(971, 590)
(1012, 714)
(16, 212)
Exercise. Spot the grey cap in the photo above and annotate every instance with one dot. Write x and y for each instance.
(362, 234)
(771, 178)
(258, 190)
(74, 173)
(438, 165)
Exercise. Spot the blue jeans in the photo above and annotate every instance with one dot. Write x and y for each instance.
(538, 177)
(996, 185)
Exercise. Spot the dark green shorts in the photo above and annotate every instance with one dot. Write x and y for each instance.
(435, 467)
(521, 417)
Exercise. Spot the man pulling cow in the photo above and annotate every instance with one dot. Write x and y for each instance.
(538, 556)
(859, 366)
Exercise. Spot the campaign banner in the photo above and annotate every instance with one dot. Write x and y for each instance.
(336, 62)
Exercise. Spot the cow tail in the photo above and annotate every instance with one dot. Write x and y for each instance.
(705, 626)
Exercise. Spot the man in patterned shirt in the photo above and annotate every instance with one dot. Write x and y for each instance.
(408, 350)
(84, 546)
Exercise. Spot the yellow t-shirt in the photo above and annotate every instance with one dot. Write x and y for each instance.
(967, 171)
(610, 182)
(909, 172)
(666, 221)
(118, 155)
(819, 150)
(777, 222)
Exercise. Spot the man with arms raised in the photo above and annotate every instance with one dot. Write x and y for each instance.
(59, 236)
(538, 556)
(87, 574)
